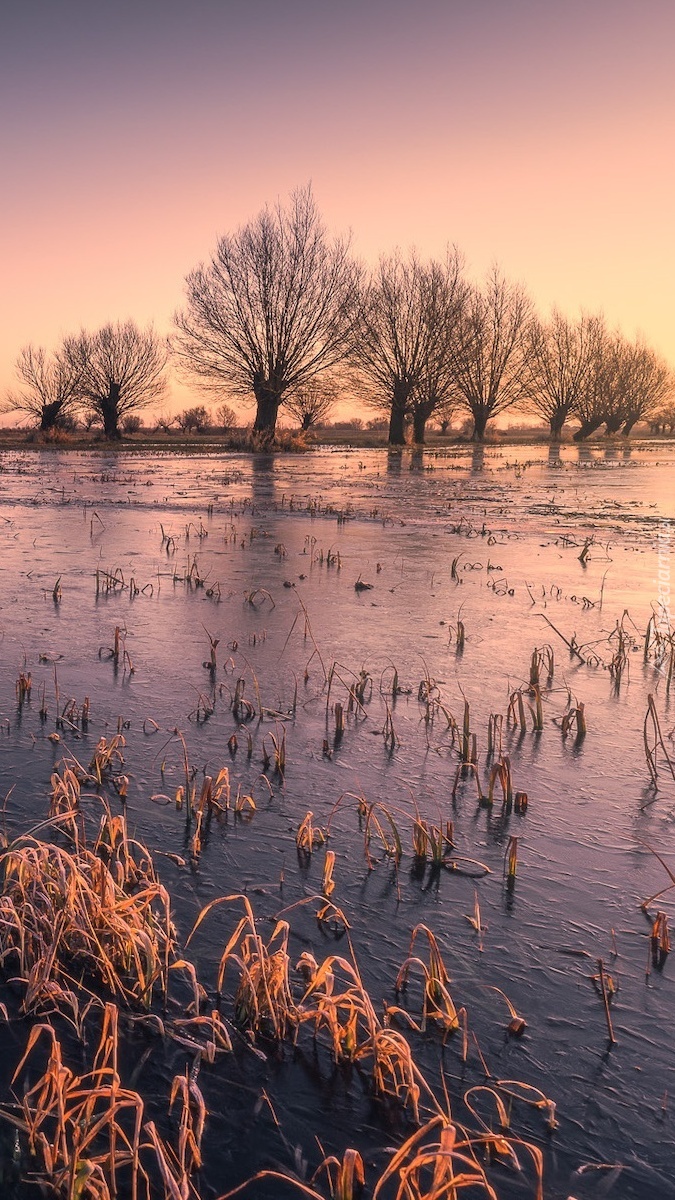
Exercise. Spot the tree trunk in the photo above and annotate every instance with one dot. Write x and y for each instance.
(613, 424)
(587, 428)
(419, 426)
(480, 420)
(399, 404)
(396, 426)
(556, 422)
(628, 426)
(49, 415)
(268, 401)
(110, 412)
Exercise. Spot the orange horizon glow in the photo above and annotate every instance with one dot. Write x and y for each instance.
(539, 139)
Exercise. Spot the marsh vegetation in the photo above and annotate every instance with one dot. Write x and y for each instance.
(337, 848)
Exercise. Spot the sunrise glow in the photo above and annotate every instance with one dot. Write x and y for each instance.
(539, 136)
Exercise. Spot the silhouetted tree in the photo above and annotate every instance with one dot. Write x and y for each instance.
(559, 359)
(664, 418)
(434, 395)
(488, 351)
(226, 417)
(272, 309)
(312, 403)
(407, 313)
(49, 387)
(596, 399)
(627, 381)
(646, 382)
(121, 369)
(194, 420)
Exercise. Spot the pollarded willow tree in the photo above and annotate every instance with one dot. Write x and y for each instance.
(559, 358)
(49, 387)
(121, 369)
(273, 308)
(488, 352)
(646, 382)
(597, 399)
(407, 314)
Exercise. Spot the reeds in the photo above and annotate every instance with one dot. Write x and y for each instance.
(436, 1162)
(574, 720)
(309, 836)
(84, 1133)
(605, 987)
(653, 742)
(437, 1003)
(100, 915)
(23, 687)
(511, 862)
(659, 941)
(263, 1001)
(542, 659)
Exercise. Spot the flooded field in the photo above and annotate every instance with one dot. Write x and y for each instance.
(447, 660)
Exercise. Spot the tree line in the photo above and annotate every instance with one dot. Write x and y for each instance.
(285, 315)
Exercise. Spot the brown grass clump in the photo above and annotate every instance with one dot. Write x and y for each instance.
(263, 1000)
(99, 915)
(438, 1162)
(84, 1132)
(437, 1004)
(335, 1002)
(309, 836)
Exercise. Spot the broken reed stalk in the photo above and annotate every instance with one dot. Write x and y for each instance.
(468, 742)
(542, 656)
(575, 718)
(494, 740)
(501, 773)
(659, 941)
(511, 862)
(605, 1000)
(651, 725)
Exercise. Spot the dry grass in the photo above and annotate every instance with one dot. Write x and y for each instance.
(98, 916)
(84, 1133)
(263, 1001)
(437, 1003)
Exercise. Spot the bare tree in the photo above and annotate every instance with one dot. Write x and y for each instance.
(272, 309)
(488, 352)
(226, 417)
(597, 397)
(434, 395)
(121, 369)
(50, 387)
(646, 381)
(559, 358)
(312, 403)
(664, 418)
(626, 381)
(194, 420)
(406, 316)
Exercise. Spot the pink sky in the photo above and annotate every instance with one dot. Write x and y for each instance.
(539, 135)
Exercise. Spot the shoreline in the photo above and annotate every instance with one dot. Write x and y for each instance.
(356, 440)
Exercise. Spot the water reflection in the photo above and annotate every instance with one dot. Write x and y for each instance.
(584, 453)
(263, 480)
(554, 454)
(477, 458)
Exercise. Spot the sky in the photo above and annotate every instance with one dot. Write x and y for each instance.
(540, 135)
